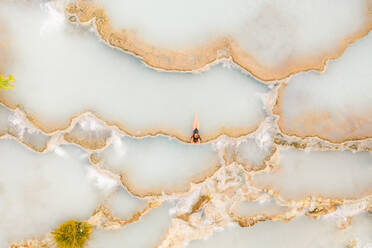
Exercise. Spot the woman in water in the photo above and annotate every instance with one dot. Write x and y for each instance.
(195, 138)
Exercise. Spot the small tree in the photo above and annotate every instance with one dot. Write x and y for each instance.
(5, 82)
(72, 234)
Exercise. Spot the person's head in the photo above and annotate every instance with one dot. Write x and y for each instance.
(196, 135)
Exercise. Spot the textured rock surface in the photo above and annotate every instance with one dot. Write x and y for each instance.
(91, 133)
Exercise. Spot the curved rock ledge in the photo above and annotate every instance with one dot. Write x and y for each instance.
(335, 105)
(158, 165)
(199, 57)
(115, 88)
(309, 173)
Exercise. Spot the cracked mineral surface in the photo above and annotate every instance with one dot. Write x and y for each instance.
(98, 125)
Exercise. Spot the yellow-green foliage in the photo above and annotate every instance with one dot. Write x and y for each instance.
(72, 234)
(5, 82)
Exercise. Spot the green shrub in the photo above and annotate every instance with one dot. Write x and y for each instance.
(72, 234)
(5, 82)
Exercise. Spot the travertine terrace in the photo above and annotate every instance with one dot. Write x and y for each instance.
(98, 124)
